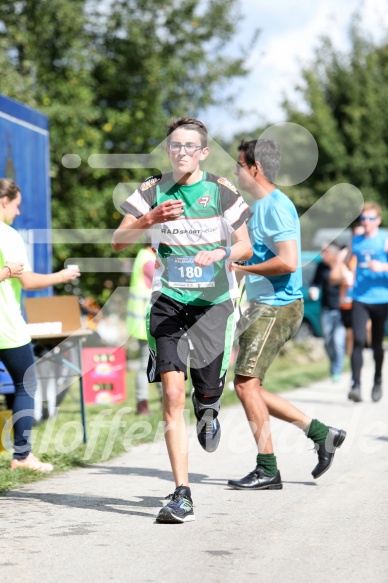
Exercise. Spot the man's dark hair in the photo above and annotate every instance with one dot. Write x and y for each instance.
(267, 152)
(189, 123)
(8, 188)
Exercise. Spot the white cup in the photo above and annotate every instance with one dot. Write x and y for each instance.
(314, 293)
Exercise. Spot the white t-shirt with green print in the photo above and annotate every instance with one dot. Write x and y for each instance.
(214, 209)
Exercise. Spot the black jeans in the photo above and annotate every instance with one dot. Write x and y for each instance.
(21, 366)
(360, 315)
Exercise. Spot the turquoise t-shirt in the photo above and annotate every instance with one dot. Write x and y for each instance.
(370, 287)
(274, 220)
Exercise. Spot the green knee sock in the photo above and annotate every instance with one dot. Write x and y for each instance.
(267, 461)
(317, 431)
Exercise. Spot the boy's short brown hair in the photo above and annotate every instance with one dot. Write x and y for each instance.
(189, 123)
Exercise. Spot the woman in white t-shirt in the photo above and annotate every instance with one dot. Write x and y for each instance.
(15, 343)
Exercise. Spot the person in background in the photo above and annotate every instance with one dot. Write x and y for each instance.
(332, 326)
(15, 343)
(275, 312)
(343, 275)
(140, 289)
(370, 297)
(91, 315)
(346, 304)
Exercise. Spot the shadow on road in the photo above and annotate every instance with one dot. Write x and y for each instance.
(101, 504)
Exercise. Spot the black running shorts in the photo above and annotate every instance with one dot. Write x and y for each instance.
(178, 331)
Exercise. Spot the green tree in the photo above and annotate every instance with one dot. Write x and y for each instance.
(109, 76)
(345, 99)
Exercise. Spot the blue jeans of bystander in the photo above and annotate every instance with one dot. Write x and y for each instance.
(21, 366)
(334, 336)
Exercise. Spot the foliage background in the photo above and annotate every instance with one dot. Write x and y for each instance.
(109, 76)
(344, 105)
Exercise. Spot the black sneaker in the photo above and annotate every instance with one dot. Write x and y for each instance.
(180, 509)
(208, 426)
(377, 391)
(355, 393)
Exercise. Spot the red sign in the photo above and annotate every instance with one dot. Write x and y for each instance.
(103, 373)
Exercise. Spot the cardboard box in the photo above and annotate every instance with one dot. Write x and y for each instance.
(64, 309)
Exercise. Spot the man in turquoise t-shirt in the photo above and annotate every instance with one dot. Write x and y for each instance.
(275, 312)
(192, 214)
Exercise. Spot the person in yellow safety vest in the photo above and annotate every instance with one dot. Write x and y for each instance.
(139, 296)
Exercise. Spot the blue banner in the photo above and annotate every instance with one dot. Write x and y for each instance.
(24, 157)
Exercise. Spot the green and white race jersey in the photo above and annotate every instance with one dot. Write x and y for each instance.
(214, 209)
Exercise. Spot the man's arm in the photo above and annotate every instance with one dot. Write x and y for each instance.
(129, 231)
(286, 261)
(241, 249)
(132, 228)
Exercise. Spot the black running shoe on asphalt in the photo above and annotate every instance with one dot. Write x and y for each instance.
(208, 426)
(355, 394)
(180, 509)
(377, 391)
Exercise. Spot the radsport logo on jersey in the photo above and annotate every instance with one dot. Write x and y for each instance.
(195, 232)
(189, 234)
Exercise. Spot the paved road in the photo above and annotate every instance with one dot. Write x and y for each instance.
(97, 523)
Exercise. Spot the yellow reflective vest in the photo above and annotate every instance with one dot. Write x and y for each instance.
(139, 296)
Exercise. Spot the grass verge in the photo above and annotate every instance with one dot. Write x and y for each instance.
(113, 429)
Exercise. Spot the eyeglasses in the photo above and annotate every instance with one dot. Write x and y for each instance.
(366, 218)
(190, 149)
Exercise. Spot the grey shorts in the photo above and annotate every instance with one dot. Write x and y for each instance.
(266, 329)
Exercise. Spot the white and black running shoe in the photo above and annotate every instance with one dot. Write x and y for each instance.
(180, 509)
(208, 426)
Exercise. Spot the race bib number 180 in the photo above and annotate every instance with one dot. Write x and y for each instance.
(182, 272)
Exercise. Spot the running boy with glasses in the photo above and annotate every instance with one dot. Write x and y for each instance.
(191, 310)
